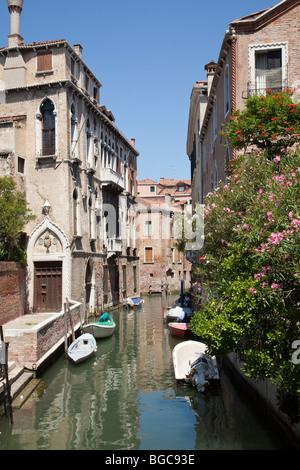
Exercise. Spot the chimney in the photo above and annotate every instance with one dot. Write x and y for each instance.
(15, 9)
(133, 142)
(210, 68)
(78, 49)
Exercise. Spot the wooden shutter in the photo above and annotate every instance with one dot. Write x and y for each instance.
(148, 255)
(44, 61)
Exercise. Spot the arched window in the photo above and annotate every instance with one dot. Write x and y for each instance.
(91, 220)
(74, 133)
(75, 212)
(88, 143)
(48, 128)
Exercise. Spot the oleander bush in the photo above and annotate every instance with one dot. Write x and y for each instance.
(248, 269)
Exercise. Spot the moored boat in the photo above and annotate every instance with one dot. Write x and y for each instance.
(133, 302)
(182, 330)
(193, 365)
(178, 313)
(82, 348)
(100, 329)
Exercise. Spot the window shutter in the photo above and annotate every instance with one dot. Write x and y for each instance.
(44, 61)
(148, 255)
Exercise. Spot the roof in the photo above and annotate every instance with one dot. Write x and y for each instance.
(252, 16)
(259, 19)
(147, 181)
(172, 182)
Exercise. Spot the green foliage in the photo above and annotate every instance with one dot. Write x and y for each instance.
(249, 267)
(14, 214)
(269, 123)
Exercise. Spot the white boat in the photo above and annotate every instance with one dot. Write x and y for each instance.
(100, 329)
(193, 365)
(178, 313)
(82, 348)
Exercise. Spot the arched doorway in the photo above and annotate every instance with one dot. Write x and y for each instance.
(89, 287)
(49, 268)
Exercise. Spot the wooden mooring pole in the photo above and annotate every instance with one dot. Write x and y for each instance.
(4, 366)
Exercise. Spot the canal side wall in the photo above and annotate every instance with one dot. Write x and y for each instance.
(264, 393)
(12, 291)
(34, 339)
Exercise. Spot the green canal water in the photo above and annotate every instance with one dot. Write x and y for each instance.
(125, 398)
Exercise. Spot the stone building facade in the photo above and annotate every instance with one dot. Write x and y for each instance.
(161, 263)
(260, 51)
(75, 168)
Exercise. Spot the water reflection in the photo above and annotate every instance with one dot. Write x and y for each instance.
(125, 397)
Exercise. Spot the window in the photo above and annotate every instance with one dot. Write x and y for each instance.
(91, 219)
(268, 67)
(152, 189)
(44, 61)
(148, 228)
(181, 188)
(87, 82)
(226, 91)
(48, 128)
(96, 94)
(75, 213)
(89, 144)
(74, 133)
(214, 124)
(268, 70)
(134, 279)
(21, 165)
(216, 176)
(148, 257)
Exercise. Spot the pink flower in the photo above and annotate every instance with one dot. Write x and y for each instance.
(252, 290)
(295, 223)
(275, 286)
(275, 238)
(276, 159)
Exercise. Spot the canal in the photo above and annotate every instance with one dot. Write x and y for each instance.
(125, 398)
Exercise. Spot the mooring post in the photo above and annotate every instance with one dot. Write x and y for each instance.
(66, 328)
(4, 364)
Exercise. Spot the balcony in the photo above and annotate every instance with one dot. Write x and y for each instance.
(113, 245)
(109, 177)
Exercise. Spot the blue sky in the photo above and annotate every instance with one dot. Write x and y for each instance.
(147, 55)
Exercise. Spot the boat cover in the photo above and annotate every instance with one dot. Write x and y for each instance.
(104, 317)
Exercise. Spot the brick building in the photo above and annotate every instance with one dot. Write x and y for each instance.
(75, 168)
(260, 51)
(160, 260)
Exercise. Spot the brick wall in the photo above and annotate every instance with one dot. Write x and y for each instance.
(12, 291)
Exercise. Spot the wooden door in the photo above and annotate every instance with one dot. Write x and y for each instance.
(47, 286)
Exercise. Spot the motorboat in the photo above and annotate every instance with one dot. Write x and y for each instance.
(178, 313)
(182, 330)
(192, 365)
(133, 302)
(82, 348)
(100, 329)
